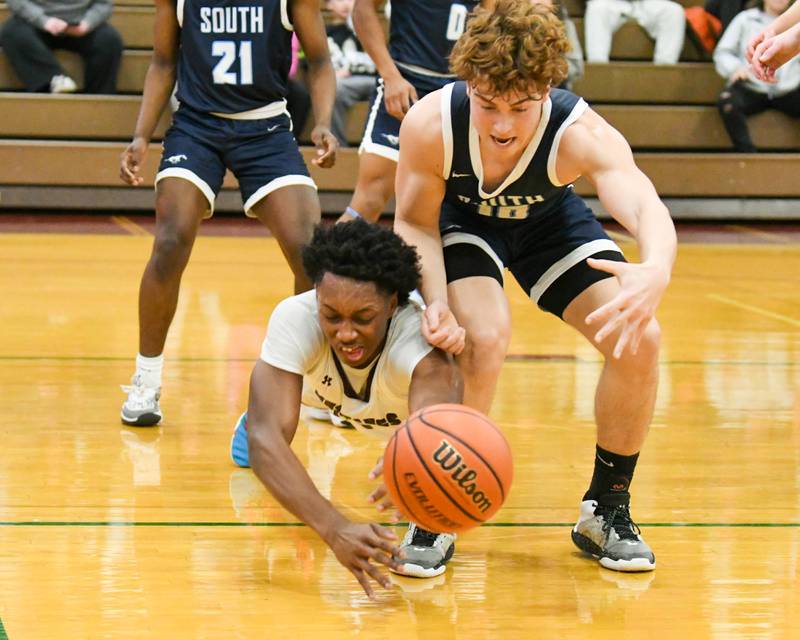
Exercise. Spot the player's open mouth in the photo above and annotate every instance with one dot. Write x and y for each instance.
(352, 353)
(503, 142)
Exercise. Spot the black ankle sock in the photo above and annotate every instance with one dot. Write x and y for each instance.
(612, 478)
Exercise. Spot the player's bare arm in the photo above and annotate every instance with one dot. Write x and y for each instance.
(310, 29)
(399, 94)
(420, 188)
(158, 85)
(593, 148)
(273, 412)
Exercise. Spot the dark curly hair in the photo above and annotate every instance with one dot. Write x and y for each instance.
(363, 251)
(514, 46)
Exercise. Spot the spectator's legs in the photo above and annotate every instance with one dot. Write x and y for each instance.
(735, 103)
(101, 51)
(29, 53)
(788, 103)
(665, 21)
(349, 90)
(602, 19)
(298, 103)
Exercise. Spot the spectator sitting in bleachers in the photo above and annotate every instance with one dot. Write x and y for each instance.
(745, 95)
(355, 70)
(663, 20)
(37, 27)
(575, 55)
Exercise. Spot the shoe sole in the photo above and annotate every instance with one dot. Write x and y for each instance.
(593, 549)
(144, 420)
(418, 571)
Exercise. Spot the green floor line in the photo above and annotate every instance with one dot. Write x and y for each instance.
(109, 523)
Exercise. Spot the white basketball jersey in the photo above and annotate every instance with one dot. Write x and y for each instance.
(295, 343)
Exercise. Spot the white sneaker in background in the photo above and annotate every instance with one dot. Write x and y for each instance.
(62, 84)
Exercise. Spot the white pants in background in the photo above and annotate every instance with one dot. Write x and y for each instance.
(663, 20)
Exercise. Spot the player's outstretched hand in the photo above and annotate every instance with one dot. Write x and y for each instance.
(380, 497)
(398, 94)
(440, 328)
(361, 548)
(327, 145)
(630, 311)
(130, 162)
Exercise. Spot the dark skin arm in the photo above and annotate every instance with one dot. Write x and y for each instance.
(310, 29)
(158, 85)
(272, 415)
(435, 380)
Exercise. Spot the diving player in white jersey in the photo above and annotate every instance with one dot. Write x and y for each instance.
(483, 184)
(352, 345)
(231, 59)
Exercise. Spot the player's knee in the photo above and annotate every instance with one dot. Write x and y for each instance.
(171, 250)
(486, 347)
(646, 356)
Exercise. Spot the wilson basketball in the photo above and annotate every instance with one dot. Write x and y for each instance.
(448, 468)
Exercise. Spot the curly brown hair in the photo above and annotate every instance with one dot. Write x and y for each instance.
(517, 46)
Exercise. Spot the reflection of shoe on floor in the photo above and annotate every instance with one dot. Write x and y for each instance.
(248, 496)
(239, 451)
(62, 84)
(426, 553)
(609, 534)
(141, 408)
(631, 583)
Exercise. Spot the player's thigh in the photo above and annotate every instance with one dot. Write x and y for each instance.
(192, 168)
(290, 213)
(550, 255)
(374, 184)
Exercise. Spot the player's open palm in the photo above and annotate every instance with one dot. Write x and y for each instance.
(441, 329)
(630, 311)
(130, 162)
(361, 548)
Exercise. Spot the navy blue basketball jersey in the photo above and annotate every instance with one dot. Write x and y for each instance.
(234, 54)
(422, 32)
(532, 189)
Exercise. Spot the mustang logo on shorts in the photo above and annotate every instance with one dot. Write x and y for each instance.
(176, 159)
(392, 140)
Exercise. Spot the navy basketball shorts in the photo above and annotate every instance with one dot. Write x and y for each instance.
(262, 154)
(547, 256)
(382, 131)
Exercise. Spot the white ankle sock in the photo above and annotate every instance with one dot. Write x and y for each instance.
(150, 369)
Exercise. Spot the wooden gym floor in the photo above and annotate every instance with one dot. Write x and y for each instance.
(113, 532)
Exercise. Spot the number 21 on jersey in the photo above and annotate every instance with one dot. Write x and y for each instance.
(225, 50)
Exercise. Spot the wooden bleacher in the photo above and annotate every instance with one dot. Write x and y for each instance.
(62, 151)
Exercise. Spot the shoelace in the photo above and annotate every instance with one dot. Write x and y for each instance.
(619, 518)
(139, 396)
(423, 538)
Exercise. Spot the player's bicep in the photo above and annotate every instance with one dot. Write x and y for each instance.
(310, 29)
(273, 408)
(166, 33)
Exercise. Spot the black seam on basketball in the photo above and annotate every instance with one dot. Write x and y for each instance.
(468, 446)
(474, 414)
(409, 510)
(432, 477)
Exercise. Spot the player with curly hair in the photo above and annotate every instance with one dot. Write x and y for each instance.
(484, 184)
(353, 346)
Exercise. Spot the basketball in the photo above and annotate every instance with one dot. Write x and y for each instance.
(448, 468)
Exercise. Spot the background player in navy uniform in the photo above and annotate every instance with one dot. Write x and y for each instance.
(421, 36)
(483, 184)
(231, 59)
(355, 344)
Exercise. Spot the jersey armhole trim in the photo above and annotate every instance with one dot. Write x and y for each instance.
(447, 130)
(179, 12)
(577, 111)
(287, 24)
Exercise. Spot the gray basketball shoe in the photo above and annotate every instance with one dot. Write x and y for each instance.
(141, 407)
(609, 534)
(426, 553)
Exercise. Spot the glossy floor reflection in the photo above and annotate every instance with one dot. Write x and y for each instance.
(113, 532)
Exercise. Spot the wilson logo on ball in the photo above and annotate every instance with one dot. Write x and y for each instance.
(448, 457)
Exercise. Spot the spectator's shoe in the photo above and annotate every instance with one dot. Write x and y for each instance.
(141, 408)
(426, 553)
(609, 534)
(239, 451)
(62, 84)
